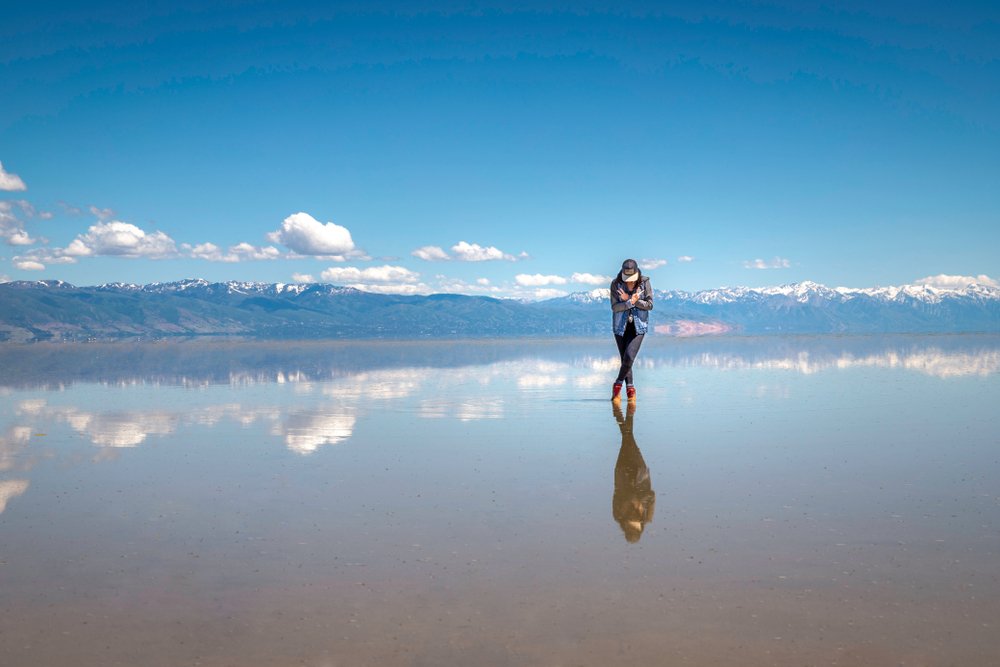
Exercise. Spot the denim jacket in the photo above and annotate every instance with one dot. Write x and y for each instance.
(620, 310)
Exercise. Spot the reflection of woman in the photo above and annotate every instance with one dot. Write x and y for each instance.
(634, 499)
(631, 301)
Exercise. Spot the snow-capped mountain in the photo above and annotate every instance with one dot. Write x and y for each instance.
(809, 307)
(806, 292)
(201, 286)
(599, 295)
(31, 310)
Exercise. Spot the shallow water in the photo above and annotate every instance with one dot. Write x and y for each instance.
(772, 501)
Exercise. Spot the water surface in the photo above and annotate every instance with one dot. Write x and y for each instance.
(773, 501)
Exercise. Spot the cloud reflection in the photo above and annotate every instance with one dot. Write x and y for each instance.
(9, 489)
(11, 443)
(380, 385)
(115, 429)
(127, 429)
(400, 369)
(933, 362)
(304, 433)
(330, 400)
(469, 410)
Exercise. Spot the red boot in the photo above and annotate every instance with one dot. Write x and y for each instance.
(616, 391)
(630, 392)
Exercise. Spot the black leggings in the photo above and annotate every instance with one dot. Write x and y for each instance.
(628, 348)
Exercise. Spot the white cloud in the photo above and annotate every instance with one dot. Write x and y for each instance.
(373, 274)
(11, 227)
(16, 237)
(430, 253)
(943, 281)
(397, 288)
(473, 252)
(121, 239)
(37, 259)
(776, 263)
(528, 287)
(303, 278)
(459, 286)
(26, 207)
(651, 264)
(590, 279)
(236, 253)
(102, 213)
(538, 280)
(28, 264)
(306, 235)
(208, 251)
(548, 293)
(247, 251)
(10, 182)
(684, 259)
(4, 278)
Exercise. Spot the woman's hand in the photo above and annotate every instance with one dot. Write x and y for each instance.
(625, 297)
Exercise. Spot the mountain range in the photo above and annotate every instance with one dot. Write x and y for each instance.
(39, 310)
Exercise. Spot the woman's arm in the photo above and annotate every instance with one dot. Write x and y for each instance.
(645, 302)
(617, 304)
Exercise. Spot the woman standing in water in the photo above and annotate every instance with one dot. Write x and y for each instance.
(631, 301)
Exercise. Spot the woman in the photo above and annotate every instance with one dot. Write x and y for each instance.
(631, 301)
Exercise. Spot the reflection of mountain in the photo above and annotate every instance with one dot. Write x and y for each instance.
(383, 370)
(46, 309)
(205, 361)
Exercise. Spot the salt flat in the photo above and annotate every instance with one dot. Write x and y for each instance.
(767, 501)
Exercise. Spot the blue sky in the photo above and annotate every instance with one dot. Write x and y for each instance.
(513, 149)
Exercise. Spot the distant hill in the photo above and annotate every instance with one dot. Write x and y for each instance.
(809, 307)
(57, 310)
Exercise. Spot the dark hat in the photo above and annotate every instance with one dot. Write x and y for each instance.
(630, 265)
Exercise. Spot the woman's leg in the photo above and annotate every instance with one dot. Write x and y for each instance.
(625, 370)
(631, 352)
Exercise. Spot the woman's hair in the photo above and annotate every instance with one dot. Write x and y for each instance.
(633, 506)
